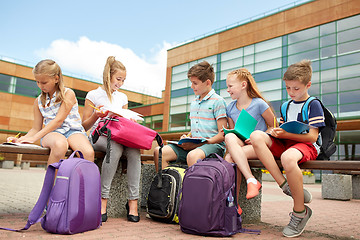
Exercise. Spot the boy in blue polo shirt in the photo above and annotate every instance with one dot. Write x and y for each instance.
(293, 149)
(207, 116)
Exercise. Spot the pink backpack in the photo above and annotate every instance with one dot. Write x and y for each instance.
(125, 132)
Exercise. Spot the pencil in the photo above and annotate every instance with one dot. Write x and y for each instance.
(189, 134)
(17, 135)
(274, 122)
(94, 107)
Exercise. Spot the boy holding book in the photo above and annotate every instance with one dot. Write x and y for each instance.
(293, 149)
(207, 115)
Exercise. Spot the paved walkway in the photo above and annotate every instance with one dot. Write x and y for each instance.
(19, 190)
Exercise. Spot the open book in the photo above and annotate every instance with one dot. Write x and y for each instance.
(126, 113)
(295, 127)
(244, 126)
(192, 140)
(22, 144)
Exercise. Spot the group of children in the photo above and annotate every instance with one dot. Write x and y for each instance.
(209, 114)
(58, 126)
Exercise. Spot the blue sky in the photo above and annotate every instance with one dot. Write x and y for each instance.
(80, 34)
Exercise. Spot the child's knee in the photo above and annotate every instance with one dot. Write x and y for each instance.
(256, 136)
(89, 154)
(229, 138)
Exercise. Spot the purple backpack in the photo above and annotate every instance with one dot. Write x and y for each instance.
(73, 203)
(208, 204)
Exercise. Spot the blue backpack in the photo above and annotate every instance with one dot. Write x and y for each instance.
(326, 141)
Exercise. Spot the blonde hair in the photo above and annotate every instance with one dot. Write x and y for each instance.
(52, 69)
(110, 68)
(301, 71)
(203, 71)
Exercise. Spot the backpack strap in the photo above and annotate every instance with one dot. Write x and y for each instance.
(305, 109)
(284, 109)
(35, 214)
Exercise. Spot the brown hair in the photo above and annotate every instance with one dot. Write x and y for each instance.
(301, 71)
(52, 69)
(110, 68)
(203, 71)
(242, 74)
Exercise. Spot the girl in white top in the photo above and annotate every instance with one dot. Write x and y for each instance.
(113, 78)
(57, 109)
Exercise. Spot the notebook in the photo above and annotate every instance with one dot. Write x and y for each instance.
(295, 127)
(244, 126)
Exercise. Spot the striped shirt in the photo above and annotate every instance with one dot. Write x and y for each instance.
(71, 122)
(205, 113)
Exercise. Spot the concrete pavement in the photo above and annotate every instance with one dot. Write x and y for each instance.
(331, 219)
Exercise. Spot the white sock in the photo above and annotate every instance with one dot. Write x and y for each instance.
(251, 180)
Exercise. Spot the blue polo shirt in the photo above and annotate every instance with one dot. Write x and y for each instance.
(205, 113)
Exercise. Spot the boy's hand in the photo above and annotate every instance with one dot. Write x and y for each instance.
(189, 146)
(278, 133)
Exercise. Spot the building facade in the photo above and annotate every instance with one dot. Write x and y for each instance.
(327, 32)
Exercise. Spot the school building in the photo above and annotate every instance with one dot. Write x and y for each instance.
(325, 31)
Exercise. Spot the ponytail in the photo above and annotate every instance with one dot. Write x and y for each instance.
(111, 66)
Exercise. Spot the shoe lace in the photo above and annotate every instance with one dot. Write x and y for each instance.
(294, 221)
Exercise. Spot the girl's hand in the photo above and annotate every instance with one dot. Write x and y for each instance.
(247, 141)
(133, 119)
(102, 114)
(12, 139)
(183, 136)
(25, 139)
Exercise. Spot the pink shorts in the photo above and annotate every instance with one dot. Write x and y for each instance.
(281, 145)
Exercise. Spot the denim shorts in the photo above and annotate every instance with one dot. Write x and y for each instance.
(206, 148)
(67, 134)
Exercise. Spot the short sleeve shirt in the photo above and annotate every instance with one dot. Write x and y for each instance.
(205, 113)
(256, 108)
(99, 97)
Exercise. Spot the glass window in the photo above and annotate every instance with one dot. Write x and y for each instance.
(327, 28)
(314, 90)
(315, 77)
(267, 45)
(249, 50)
(348, 72)
(328, 52)
(349, 35)
(328, 75)
(314, 54)
(268, 55)
(329, 99)
(272, 95)
(328, 63)
(248, 59)
(180, 68)
(328, 87)
(179, 92)
(180, 84)
(349, 110)
(178, 101)
(178, 109)
(302, 35)
(349, 84)
(26, 87)
(268, 65)
(269, 85)
(268, 75)
(349, 47)
(349, 97)
(349, 59)
(237, 53)
(179, 77)
(4, 82)
(328, 40)
(178, 121)
(304, 46)
(347, 23)
(233, 64)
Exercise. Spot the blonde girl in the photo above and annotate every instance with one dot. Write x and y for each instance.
(57, 109)
(243, 90)
(113, 78)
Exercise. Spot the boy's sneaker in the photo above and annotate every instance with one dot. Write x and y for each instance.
(253, 189)
(297, 224)
(307, 194)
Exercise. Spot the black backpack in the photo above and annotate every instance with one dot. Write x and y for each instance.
(327, 133)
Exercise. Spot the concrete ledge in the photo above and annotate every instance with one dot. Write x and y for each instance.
(356, 186)
(25, 165)
(336, 186)
(7, 164)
